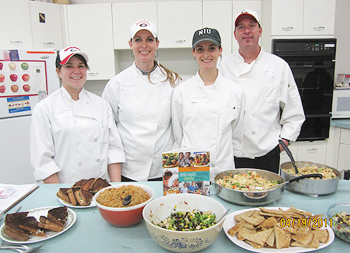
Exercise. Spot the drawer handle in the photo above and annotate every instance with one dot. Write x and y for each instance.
(49, 43)
(311, 149)
(289, 28)
(44, 57)
(319, 28)
(16, 42)
(180, 41)
(93, 74)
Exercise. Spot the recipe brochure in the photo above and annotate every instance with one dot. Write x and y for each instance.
(11, 194)
(186, 171)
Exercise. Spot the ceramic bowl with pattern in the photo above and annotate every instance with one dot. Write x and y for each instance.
(182, 241)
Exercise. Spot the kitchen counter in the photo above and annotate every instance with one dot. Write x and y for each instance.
(343, 123)
(91, 233)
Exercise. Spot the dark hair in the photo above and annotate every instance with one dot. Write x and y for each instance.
(58, 65)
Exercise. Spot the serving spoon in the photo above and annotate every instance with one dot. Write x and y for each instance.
(223, 216)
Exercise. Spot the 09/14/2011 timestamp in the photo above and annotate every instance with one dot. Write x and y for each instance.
(312, 222)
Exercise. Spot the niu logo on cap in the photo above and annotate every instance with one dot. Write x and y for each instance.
(204, 31)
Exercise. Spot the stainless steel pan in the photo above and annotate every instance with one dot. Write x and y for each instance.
(249, 198)
(309, 186)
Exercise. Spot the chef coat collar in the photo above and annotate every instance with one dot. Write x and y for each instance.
(145, 73)
(241, 59)
(66, 94)
(200, 81)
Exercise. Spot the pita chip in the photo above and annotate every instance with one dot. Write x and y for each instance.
(314, 243)
(270, 222)
(303, 239)
(244, 230)
(259, 238)
(282, 237)
(232, 231)
(322, 235)
(255, 219)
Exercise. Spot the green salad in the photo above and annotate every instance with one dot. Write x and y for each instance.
(188, 221)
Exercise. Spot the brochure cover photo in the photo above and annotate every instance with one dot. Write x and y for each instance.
(186, 171)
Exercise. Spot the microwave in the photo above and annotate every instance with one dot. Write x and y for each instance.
(341, 103)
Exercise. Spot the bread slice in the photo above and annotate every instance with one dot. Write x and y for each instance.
(71, 196)
(58, 215)
(30, 224)
(15, 216)
(16, 233)
(50, 225)
(98, 184)
(79, 184)
(63, 194)
(83, 197)
(87, 185)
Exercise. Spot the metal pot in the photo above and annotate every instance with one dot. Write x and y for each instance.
(308, 186)
(249, 198)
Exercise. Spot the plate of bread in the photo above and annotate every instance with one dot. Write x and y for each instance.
(37, 224)
(80, 194)
(278, 229)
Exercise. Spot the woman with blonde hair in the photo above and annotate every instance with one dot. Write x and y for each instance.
(140, 97)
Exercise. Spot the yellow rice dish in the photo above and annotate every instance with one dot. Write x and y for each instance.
(327, 173)
(246, 182)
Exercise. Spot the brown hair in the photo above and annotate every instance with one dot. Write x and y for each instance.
(172, 76)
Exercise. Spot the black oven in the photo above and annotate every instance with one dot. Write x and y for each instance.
(312, 62)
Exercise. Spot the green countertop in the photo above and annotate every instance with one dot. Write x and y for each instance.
(343, 123)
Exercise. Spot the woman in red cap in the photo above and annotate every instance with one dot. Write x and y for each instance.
(73, 135)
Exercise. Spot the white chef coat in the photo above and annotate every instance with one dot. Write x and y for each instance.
(269, 85)
(76, 139)
(142, 111)
(209, 117)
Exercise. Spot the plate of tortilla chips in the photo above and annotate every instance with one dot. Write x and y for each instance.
(266, 230)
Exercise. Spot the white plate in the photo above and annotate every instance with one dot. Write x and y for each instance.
(230, 222)
(48, 234)
(92, 204)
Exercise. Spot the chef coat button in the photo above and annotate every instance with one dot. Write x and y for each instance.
(95, 140)
(75, 121)
(97, 160)
(216, 89)
(154, 118)
(214, 139)
(212, 165)
(253, 132)
(256, 95)
(87, 102)
(256, 78)
(80, 163)
(77, 142)
(254, 114)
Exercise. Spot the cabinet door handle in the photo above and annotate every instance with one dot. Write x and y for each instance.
(44, 57)
(93, 74)
(180, 41)
(311, 149)
(16, 42)
(49, 43)
(288, 28)
(319, 28)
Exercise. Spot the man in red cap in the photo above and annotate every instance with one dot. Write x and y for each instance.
(273, 106)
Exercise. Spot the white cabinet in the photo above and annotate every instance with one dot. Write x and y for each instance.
(344, 150)
(90, 28)
(46, 25)
(15, 27)
(126, 14)
(303, 17)
(218, 15)
(314, 151)
(177, 22)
